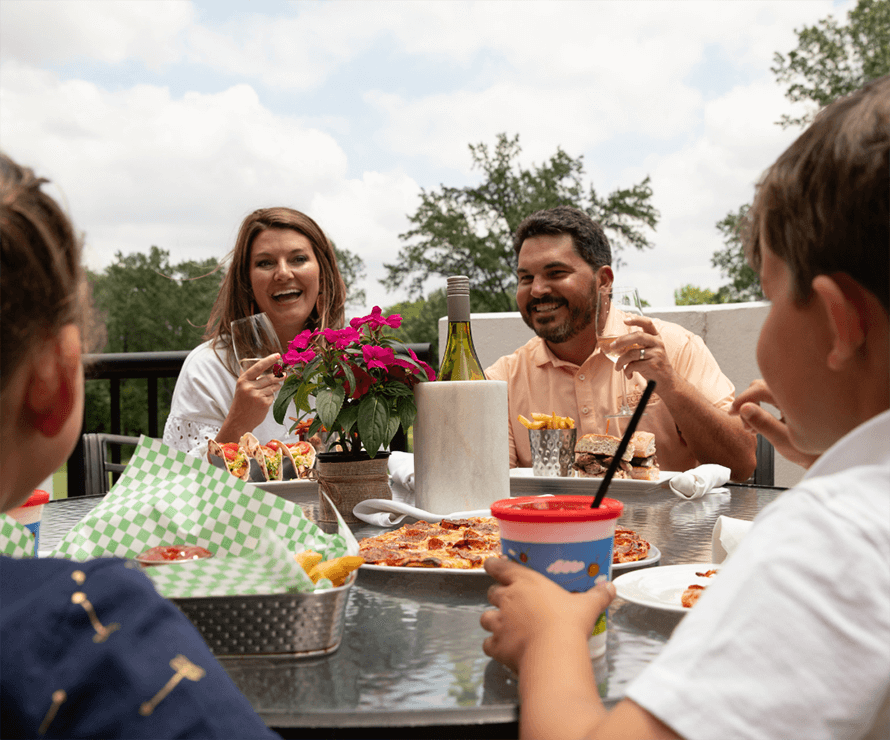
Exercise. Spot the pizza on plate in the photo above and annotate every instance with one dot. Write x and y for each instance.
(457, 543)
(629, 547)
(691, 594)
(464, 544)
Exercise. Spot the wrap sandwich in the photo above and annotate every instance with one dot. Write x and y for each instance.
(229, 456)
(265, 463)
(297, 458)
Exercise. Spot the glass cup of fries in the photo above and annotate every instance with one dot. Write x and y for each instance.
(552, 442)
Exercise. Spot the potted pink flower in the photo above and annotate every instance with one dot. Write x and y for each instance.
(362, 390)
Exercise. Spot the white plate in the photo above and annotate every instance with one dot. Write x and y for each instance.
(662, 587)
(653, 557)
(524, 482)
(281, 485)
(297, 491)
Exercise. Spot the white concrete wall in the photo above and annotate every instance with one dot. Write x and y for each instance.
(730, 332)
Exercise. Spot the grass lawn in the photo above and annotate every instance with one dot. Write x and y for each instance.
(60, 482)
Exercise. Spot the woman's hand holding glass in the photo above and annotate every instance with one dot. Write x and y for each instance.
(257, 350)
(255, 392)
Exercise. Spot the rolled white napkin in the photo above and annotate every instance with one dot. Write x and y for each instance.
(401, 468)
(385, 513)
(727, 535)
(697, 482)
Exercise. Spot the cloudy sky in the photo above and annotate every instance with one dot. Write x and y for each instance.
(165, 123)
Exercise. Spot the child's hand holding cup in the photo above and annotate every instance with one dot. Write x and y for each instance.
(563, 538)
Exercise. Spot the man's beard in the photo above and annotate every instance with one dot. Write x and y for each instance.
(579, 319)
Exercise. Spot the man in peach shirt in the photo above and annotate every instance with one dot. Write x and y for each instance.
(564, 261)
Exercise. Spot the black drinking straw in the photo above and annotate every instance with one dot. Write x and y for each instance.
(622, 446)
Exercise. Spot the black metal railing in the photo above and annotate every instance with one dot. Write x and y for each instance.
(151, 366)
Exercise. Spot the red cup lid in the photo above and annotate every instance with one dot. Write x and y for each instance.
(548, 509)
(37, 498)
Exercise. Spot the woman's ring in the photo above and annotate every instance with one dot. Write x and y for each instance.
(642, 353)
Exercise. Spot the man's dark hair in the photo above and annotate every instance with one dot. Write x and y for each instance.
(588, 237)
(824, 206)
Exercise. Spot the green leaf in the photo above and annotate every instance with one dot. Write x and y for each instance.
(328, 402)
(407, 411)
(394, 388)
(347, 418)
(288, 390)
(314, 427)
(373, 423)
(391, 430)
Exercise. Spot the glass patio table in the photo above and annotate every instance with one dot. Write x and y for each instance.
(411, 659)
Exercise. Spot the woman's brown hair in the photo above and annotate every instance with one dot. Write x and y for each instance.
(41, 278)
(236, 299)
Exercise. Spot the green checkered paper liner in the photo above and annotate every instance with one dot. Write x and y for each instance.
(16, 539)
(166, 497)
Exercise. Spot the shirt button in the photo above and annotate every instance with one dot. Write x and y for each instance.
(580, 377)
(585, 410)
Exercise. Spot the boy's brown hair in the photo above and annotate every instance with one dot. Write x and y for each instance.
(824, 206)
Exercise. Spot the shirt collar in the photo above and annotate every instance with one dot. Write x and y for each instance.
(541, 355)
(867, 444)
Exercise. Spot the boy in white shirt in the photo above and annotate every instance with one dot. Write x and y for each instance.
(793, 639)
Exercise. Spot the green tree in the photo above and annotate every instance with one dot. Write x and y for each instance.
(691, 295)
(420, 320)
(352, 269)
(148, 305)
(833, 59)
(468, 231)
(744, 282)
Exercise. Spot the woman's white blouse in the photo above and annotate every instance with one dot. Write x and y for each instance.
(201, 401)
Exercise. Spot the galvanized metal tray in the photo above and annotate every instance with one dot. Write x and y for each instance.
(266, 625)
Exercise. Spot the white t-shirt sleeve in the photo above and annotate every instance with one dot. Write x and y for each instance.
(201, 401)
(792, 640)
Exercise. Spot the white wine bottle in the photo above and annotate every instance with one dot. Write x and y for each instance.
(459, 361)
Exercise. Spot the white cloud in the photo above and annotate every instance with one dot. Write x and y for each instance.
(697, 185)
(140, 164)
(681, 91)
(111, 32)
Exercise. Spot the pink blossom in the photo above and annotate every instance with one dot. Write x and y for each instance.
(341, 338)
(293, 356)
(375, 320)
(301, 341)
(381, 357)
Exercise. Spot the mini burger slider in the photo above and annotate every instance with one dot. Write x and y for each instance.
(644, 464)
(594, 453)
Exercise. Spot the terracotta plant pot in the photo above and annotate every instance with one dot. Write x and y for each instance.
(348, 479)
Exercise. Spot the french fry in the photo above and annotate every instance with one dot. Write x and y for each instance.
(308, 559)
(530, 424)
(547, 421)
(337, 569)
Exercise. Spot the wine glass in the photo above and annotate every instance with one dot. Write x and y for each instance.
(610, 327)
(254, 338)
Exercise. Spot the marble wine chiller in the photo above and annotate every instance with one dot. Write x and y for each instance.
(461, 445)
